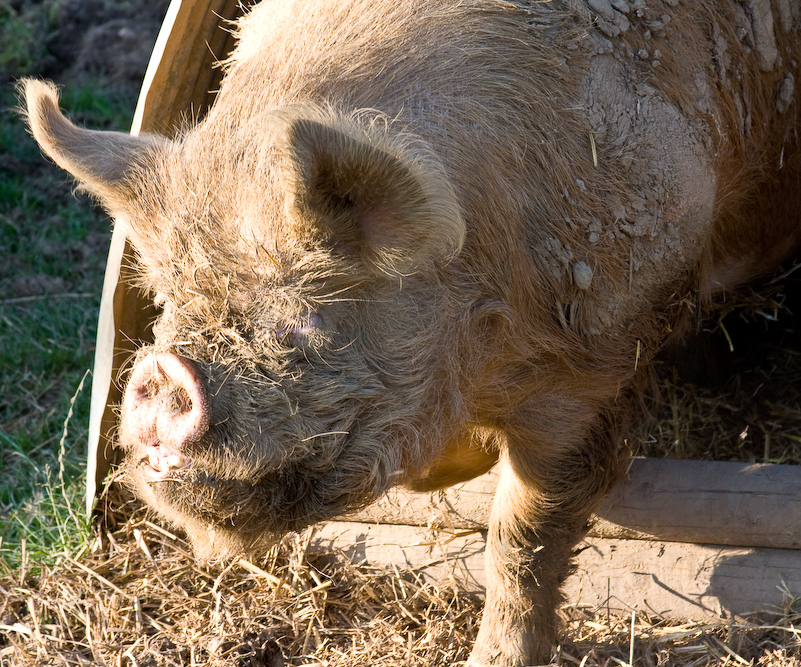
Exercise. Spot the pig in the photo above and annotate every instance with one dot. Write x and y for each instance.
(412, 238)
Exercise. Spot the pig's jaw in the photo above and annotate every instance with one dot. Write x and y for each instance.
(186, 492)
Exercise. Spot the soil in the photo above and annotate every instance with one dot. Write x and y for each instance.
(113, 38)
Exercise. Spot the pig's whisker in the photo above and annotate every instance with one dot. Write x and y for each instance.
(320, 435)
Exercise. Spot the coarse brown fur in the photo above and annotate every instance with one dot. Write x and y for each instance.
(411, 238)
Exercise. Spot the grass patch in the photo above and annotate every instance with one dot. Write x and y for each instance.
(54, 338)
(46, 345)
(22, 49)
(54, 243)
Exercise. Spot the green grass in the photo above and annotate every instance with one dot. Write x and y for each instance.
(53, 245)
(46, 520)
(46, 349)
(22, 49)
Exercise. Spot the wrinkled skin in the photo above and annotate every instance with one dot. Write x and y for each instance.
(413, 238)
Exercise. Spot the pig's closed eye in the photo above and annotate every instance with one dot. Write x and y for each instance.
(302, 328)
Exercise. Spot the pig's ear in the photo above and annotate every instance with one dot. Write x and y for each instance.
(99, 160)
(390, 205)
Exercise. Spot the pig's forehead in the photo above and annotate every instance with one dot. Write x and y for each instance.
(222, 174)
(242, 145)
(235, 237)
(240, 197)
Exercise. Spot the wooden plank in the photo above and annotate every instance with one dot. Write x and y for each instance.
(181, 78)
(735, 504)
(680, 582)
(180, 83)
(441, 556)
(123, 321)
(667, 500)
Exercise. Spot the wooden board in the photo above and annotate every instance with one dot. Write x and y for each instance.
(677, 581)
(636, 555)
(182, 78)
(712, 502)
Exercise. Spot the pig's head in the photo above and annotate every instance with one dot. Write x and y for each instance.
(306, 357)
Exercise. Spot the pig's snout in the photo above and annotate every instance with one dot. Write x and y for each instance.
(164, 408)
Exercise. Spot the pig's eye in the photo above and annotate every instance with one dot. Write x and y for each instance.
(301, 328)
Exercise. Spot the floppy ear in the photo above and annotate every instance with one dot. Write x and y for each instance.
(393, 207)
(99, 160)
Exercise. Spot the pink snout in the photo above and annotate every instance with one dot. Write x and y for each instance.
(164, 408)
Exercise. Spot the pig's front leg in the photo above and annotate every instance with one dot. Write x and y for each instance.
(539, 514)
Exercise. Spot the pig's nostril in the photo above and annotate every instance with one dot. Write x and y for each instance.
(147, 390)
(180, 401)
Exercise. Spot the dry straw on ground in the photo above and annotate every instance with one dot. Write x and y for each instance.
(137, 598)
(733, 393)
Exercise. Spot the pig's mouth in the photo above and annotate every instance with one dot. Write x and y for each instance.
(160, 462)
